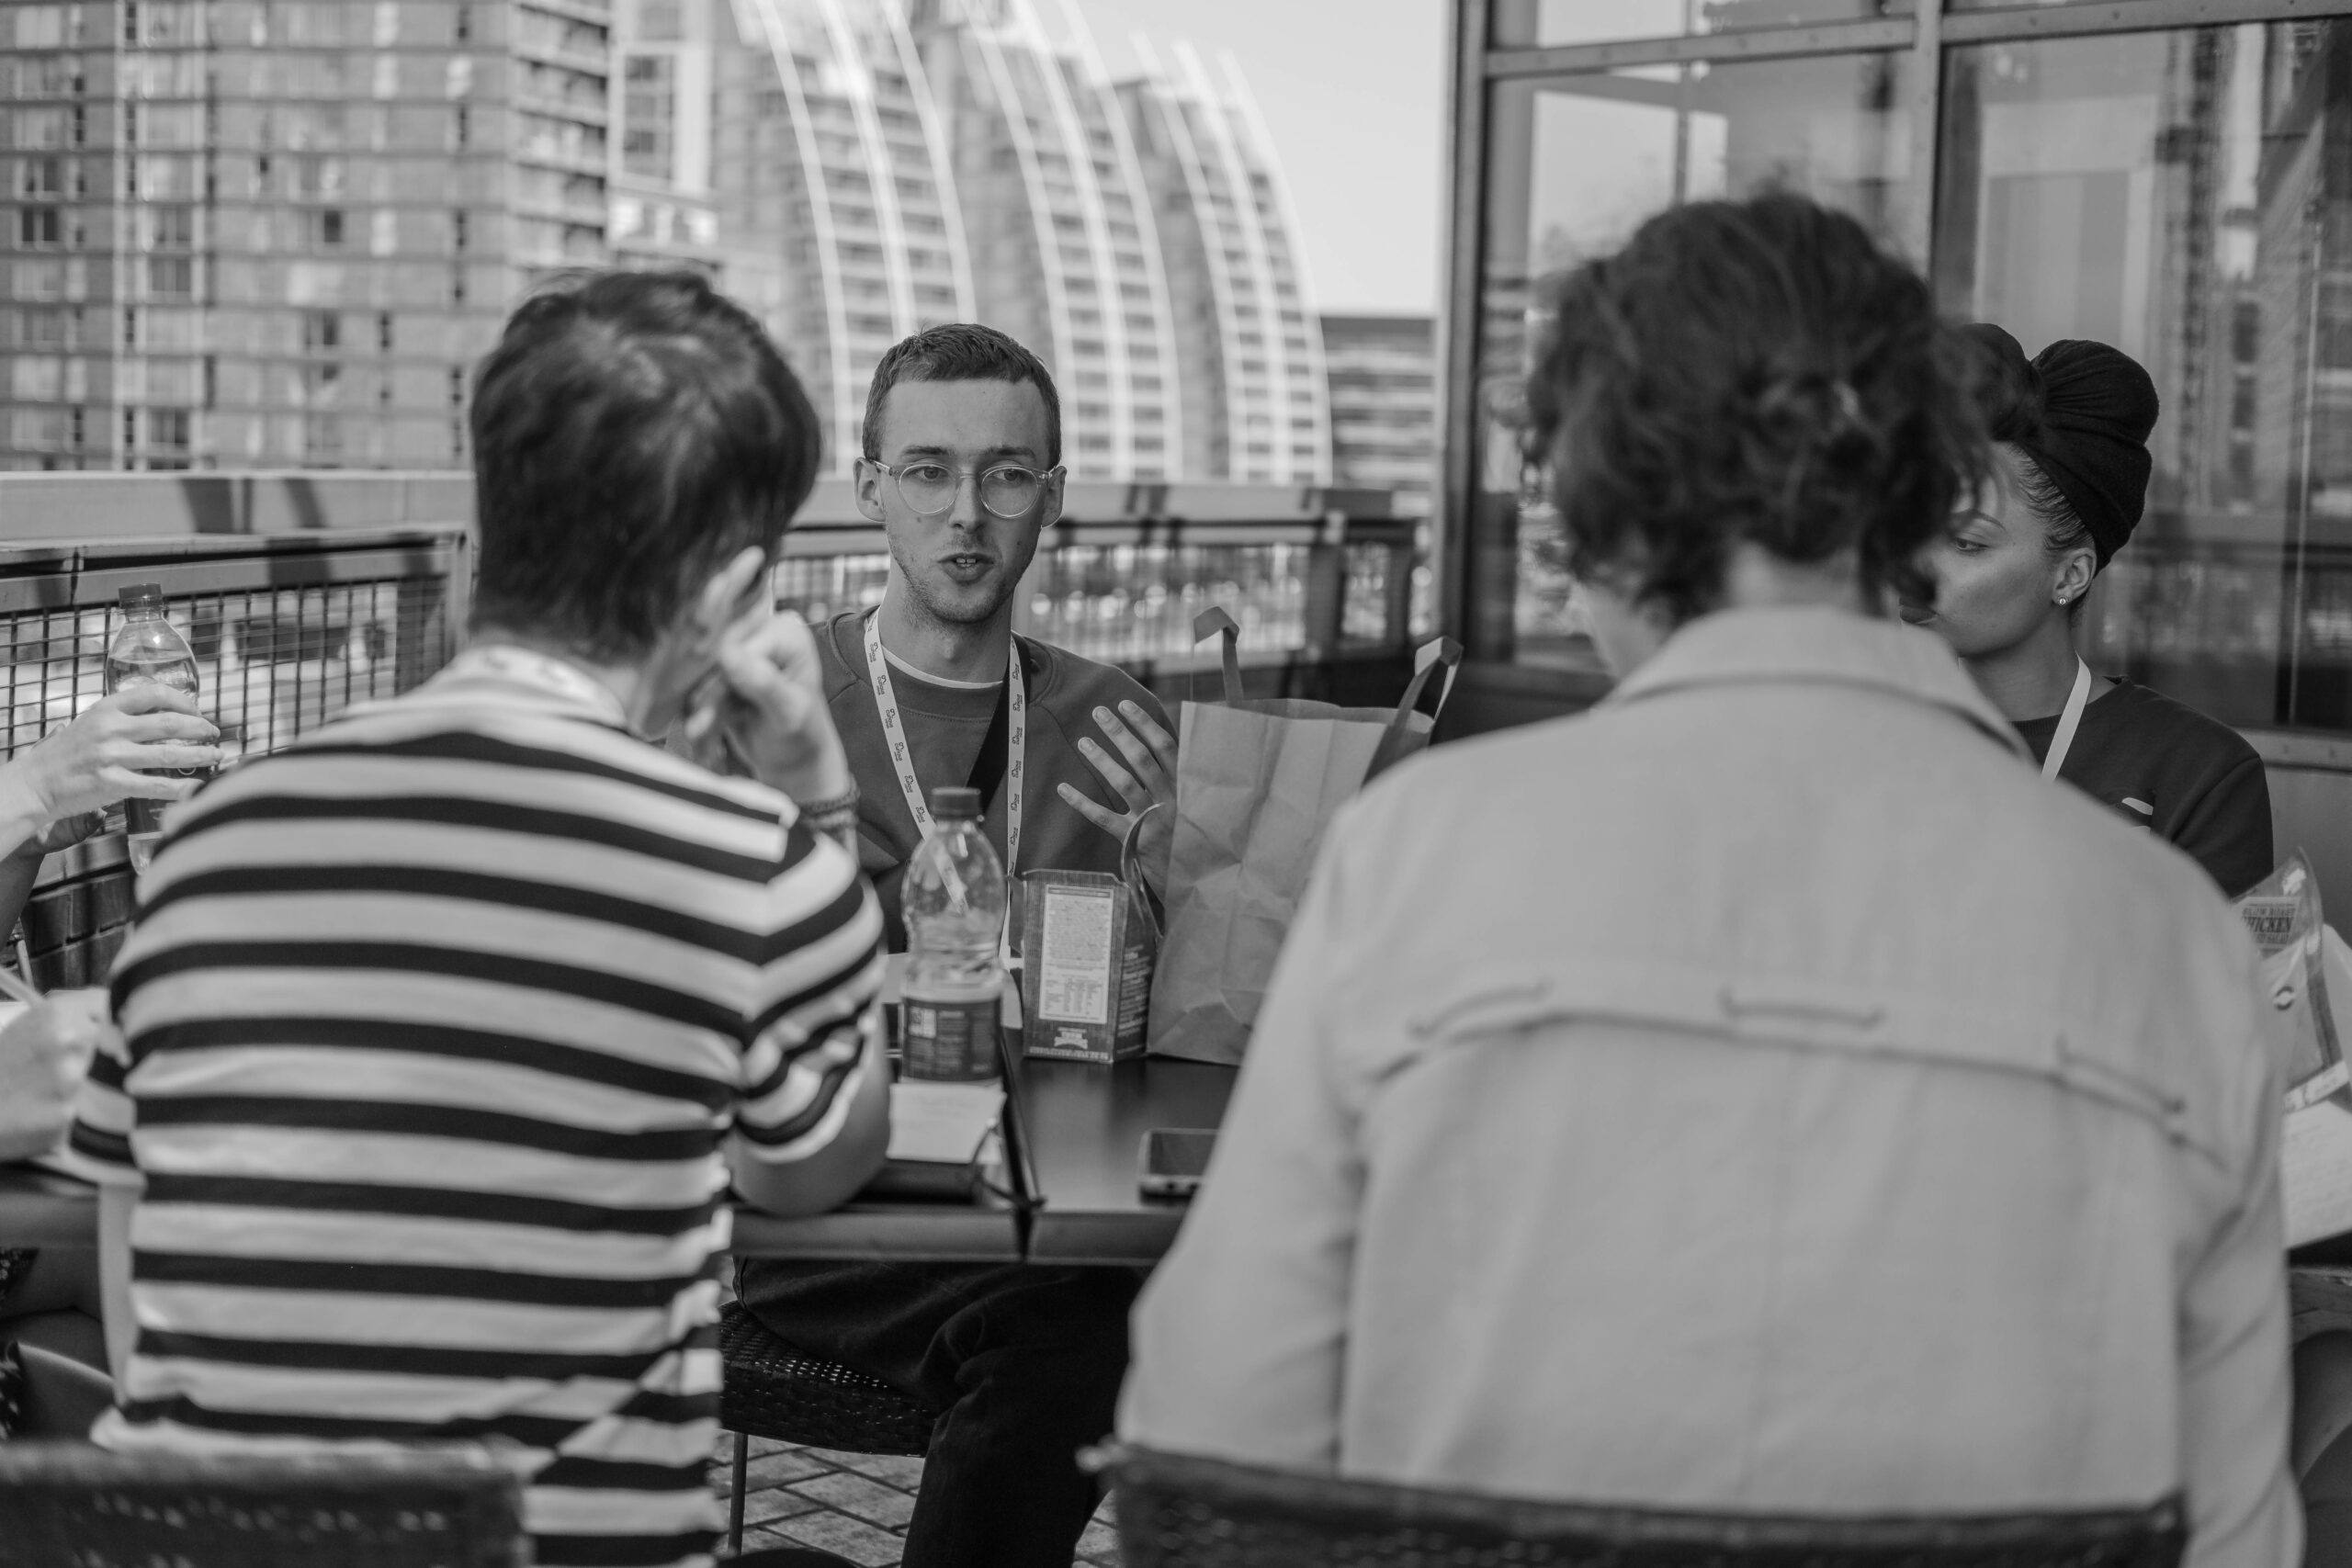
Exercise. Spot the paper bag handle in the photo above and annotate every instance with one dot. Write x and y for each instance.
(1131, 870)
(1209, 623)
(1431, 655)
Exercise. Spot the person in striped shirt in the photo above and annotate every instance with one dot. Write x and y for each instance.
(442, 1030)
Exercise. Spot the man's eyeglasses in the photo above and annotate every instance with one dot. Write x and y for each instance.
(1007, 491)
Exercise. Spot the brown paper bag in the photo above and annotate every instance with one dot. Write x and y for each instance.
(1257, 783)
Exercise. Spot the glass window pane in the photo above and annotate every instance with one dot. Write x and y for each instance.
(1833, 126)
(2177, 194)
(1520, 23)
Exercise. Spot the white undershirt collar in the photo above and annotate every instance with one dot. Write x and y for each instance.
(927, 677)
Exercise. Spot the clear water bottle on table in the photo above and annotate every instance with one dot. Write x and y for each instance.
(953, 898)
(149, 647)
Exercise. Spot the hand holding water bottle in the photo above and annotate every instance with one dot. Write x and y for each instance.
(111, 751)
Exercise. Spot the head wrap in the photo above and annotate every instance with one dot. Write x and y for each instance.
(2082, 412)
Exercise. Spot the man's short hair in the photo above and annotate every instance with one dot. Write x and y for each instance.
(633, 431)
(961, 351)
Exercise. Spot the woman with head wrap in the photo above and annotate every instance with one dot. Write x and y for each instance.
(2070, 428)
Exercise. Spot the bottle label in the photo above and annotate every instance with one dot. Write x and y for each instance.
(954, 1040)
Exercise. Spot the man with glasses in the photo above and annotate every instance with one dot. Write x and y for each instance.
(962, 468)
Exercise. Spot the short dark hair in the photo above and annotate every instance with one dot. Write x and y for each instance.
(2063, 530)
(961, 351)
(1756, 371)
(633, 430)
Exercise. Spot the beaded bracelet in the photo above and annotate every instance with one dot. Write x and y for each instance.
(838, 815)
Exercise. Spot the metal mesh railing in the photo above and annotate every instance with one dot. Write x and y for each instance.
(303, 595)
(283, 640)
(1129, 603)
(271, 662)
(821, 587)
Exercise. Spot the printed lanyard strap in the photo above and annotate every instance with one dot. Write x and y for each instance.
(2068, 721)
(902, 761)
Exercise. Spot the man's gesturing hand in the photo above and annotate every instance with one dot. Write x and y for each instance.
(1144, 775)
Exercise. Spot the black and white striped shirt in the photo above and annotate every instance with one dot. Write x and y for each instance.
(436, 1025)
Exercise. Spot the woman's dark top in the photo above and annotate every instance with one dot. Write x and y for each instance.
(2185, 777)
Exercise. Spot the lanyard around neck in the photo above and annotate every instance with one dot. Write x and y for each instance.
(541, 672)
(902, 760)
(2068, 721)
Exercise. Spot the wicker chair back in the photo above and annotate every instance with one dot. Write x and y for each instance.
(71, 1503)
(773, 1391)
(1180, 1512)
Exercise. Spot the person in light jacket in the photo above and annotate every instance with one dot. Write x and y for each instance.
(1763, 1093)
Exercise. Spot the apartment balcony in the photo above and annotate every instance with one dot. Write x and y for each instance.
(563, 51)
(569, 104)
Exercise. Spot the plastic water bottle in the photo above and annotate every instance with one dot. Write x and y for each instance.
(954, 897)
(149, 647)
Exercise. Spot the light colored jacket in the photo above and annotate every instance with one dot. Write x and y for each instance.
(1761, 1093)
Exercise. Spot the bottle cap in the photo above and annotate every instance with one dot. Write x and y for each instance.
(952, 801)
(140, 596)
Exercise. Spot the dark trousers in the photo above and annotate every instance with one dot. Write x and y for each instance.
(1023, 1363)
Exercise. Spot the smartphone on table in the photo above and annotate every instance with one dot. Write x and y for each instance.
(1173, 1160)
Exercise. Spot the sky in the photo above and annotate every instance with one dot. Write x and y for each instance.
(1357, 116)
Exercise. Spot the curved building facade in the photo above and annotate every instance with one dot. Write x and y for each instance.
(881, 165)
(840, 217)
(1065, 252)
(1253, 347)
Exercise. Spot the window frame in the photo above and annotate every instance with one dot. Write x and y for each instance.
(1478, 67)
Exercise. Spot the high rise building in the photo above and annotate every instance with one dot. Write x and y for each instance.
(884, 164)
(838, 214)
(1065, 252)
(244, 235)
(665, 136)
(1383, 405)
(1249, 354)
(247, 234)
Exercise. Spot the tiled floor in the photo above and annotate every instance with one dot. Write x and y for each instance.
(854, 1505)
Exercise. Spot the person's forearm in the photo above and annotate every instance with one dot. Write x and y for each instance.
(828, 1177)
(23, 1135)
(21, 813)
(19, 868)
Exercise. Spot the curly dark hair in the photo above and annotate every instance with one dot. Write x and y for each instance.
(1757, 370)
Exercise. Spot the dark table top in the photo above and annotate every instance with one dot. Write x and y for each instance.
(1084, 1125)
(38, 1209)
(873, 1232)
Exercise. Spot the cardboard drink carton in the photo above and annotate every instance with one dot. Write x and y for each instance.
(2282, 912)
(1087, 956)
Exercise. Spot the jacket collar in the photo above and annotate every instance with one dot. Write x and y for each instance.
(1817, 646)
(500, 668)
